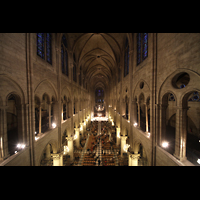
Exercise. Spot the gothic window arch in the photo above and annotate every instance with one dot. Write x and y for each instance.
(126, 58)
(44, 46)
(126, 101)
(74, 69)
(194, 97)
(64, 56)
(142, 47)
(80, 76)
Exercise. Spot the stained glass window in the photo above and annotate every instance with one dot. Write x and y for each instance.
(44, 48)
(126, 58)
(119, 74)
(62, 59)
(171, 97)
(125, 64)
(182, 86)
(80, 76)
(142, 47)
(74, 68)
(64, 56)
(48, 48)
(145, 46)
(74, 72)
(66, 63)
(194, 97)
(40, 45)
(138, 48)
(64, 40)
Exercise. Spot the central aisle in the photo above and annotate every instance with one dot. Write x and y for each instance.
(99, 145)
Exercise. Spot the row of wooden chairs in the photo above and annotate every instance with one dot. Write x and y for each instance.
(89, 159)
(89, 164)
(109, 164)
(108, 156)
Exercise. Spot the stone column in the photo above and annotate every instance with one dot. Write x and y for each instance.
(84, 126)
(181, 133)
(3, 133)
(40, 119)
(138, 104)
(27, 125)
(81, 130)
(146, 112)
(61, 112)
(56, 159)
(133, 159)
(118, 136)
(48, 153)
(159, 123)
(78, 137)
(123, 142)
(61, 159)
(71, 148)
(163, 109)
(49, 115)
(134, 112)
(20, 123)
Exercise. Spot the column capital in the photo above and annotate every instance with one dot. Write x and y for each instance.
(182, 108)
(130, 52)
(58, 50)
(69, 138)
(55, 155)
(71, 65)
(138, 103)
(134, 156)
(123, 137)
(134, 101)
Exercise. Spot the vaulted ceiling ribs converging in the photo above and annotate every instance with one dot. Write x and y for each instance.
(98, 54)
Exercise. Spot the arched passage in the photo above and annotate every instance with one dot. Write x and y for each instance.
(14, 122)
(191, 127)
(168, 122)
(138, 157)
(46, 159)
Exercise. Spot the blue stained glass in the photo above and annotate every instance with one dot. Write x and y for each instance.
(66, 62)
(64, 56)
(62, 59)
(128, 60)
(40, 45)
(48, 48)
(64, 40)
(74, 73)
(194, 97)
(125, 63)
(145, 45)
(171, 97)
(138, 48)
(182, 86)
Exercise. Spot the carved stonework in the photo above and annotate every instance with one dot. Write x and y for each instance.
(55, 156)
(135, 156)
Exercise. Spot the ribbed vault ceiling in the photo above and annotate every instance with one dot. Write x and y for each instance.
(98, 54)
